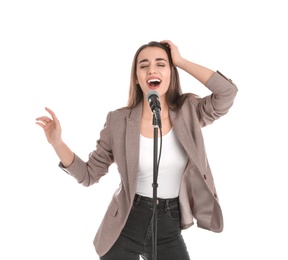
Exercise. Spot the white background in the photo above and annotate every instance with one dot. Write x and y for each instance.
(75, 57)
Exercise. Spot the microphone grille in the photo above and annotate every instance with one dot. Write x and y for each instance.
(151, 93)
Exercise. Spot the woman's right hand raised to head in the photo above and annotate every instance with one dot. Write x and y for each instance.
(51, 127)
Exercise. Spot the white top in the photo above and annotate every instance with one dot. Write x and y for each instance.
(172, 164)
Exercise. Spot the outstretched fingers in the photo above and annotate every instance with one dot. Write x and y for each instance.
(53, 115)
(44, 120)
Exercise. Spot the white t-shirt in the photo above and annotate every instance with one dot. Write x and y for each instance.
(172, 164)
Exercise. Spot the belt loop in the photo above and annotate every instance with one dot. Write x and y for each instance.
(137, 200)
(166, 205)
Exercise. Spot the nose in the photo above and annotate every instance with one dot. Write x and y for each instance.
(151, 70)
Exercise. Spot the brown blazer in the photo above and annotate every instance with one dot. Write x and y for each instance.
(119, 143)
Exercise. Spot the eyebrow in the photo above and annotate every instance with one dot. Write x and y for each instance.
(157, 59)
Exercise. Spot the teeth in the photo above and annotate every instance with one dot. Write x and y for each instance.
(153, 80)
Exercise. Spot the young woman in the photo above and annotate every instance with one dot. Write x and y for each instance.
(186, 190)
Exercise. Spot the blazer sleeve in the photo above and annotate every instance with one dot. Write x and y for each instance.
(89, 172)
(219, 102)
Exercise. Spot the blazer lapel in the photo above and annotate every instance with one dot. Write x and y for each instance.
(132, 146)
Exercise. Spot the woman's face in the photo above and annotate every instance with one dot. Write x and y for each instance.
(153, 70)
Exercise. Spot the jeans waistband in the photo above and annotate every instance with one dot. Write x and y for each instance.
(160, 202)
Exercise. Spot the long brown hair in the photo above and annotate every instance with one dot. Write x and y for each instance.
(174, 96)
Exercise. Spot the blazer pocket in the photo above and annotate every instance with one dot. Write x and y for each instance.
(113, 208)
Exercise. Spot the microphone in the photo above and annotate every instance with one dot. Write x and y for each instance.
(153, 99)
(154, 103)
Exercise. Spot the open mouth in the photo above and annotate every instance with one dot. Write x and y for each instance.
(154, 82)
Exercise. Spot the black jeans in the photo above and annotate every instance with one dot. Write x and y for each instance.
(136, 237)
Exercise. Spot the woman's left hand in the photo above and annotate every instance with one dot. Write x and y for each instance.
(176, 56)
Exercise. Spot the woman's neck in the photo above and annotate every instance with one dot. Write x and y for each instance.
(147, 119)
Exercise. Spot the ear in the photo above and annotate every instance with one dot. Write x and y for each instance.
(137, 82)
